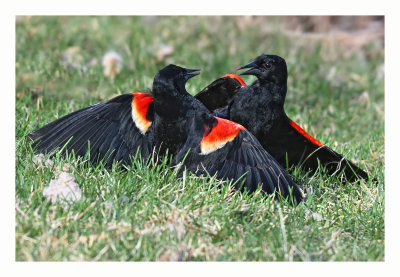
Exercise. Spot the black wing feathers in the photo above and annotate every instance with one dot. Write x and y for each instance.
(245, 155)
(219, 93)
(108, 126)
(336, 163)
(304, 152)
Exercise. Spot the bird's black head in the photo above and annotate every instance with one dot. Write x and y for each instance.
(171, 80)
(267, 69)
(170, 95)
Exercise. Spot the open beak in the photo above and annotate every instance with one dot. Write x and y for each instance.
(191, 73)
(252, 71)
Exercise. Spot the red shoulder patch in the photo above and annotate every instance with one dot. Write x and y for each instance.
(304, 133)
(236, 77)
(222, 133)
(140, 104)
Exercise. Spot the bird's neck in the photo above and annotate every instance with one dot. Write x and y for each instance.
(276, 95)
(169, 128)
(171, 107)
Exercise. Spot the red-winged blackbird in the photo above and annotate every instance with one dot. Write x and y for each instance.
(170, 121)
(260, 108)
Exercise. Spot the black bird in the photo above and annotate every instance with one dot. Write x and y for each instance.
(260, 109)
(211, 145)
(170, 121)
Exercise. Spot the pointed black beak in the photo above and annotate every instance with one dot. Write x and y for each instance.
(189, 73)
(249, 65)
(253, 69)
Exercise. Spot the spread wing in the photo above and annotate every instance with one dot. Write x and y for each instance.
(229, 151)
(115, 130)
(306, 151)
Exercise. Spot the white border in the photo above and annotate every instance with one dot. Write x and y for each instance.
(205, 7)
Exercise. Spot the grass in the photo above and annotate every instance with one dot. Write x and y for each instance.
(146, 213)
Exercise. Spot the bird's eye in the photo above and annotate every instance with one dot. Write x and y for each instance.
(268, 66)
